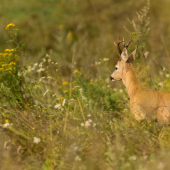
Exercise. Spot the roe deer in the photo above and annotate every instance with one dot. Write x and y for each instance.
(144, 103)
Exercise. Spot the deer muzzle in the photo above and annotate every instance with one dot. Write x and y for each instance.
(111, 78)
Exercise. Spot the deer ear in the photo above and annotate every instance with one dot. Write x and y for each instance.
(124, 55)
(132, 56)
(134, 53)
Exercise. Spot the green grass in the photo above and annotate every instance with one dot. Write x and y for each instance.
(63, 112)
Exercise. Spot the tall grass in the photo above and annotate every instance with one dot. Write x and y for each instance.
(64, 113)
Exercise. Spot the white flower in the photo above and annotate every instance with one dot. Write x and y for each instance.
(33, 68)
(35, 64)
(57, 106)
(120, 90)
(105, 59)
(146, 54)
(36, 140)
(29, 68)
(41, 69)
(77, 158)
(81, 94)
(82, 124)
(161, 84)
(40, 65)
(49, 77)
(76, 86)
(19, 74)
(90, 120)
(56, 63)
(108, 86)
(132, 158)
(89, 115)
(41, 78)
(49, 60)
(6, 124)
(97, 63)
(167, 75)
(64, 101)
(87, 124)
(76, 148)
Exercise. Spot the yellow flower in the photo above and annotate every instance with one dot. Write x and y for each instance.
(6, 121)
(65, 83)
(12, 63)
(4, 65)
(10, 25)
(62, 98)
(76, 71)
(6, 50)
(70, 36)
(134, 33)
(92, 83)
(66, 91)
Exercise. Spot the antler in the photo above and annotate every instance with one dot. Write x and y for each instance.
(117, 45)
(126, 46)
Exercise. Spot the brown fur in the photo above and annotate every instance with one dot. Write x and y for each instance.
(144, 103)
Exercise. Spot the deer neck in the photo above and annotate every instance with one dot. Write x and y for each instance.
(130, 79)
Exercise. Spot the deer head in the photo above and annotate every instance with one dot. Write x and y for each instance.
(125, 59)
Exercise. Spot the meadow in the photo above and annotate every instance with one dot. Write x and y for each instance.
(59, 109)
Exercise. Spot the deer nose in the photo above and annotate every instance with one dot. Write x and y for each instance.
(111, 78)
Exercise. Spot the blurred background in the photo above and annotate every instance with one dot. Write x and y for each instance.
(79, 116)
(89, 27)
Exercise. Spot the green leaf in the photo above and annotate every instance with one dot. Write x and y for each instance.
(46, 165)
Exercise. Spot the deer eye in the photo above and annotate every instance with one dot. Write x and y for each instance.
(116, 68)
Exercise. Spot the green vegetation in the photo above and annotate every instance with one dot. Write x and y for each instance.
(59, 109)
